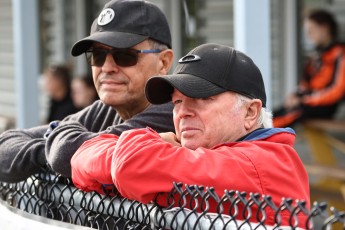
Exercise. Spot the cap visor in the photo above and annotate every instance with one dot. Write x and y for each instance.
(158, 90)
(113, 39)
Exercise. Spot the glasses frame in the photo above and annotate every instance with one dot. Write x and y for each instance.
(116, 51)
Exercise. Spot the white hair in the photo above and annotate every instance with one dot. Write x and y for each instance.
(265, 117)
(157, 45)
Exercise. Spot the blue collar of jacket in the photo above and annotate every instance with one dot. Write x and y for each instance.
(265, 133)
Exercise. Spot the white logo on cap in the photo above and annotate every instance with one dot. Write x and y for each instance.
(189, 58)
(106, 16)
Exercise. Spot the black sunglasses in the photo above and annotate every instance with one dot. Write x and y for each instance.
(122, 57)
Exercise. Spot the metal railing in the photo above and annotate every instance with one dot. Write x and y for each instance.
(187, 207)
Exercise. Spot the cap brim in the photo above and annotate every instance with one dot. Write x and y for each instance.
(113, 39)
(158, 90)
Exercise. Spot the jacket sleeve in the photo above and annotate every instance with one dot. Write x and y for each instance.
(143, 165)
(21, 153)
(91, 163)
(334, 91)
(64, 141)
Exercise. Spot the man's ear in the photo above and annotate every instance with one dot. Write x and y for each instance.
(252, 114)
(166, 57)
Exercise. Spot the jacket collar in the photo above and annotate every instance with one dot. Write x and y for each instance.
(262, 133)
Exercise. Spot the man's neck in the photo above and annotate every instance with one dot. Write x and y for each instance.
(128, 111)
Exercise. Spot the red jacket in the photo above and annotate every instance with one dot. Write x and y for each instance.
(143, 164)
(264, 162)
(91, 163)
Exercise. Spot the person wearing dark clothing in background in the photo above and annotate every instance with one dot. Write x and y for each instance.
(84, 92)
(57, 84)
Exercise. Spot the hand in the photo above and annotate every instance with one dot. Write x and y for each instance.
(171, 138)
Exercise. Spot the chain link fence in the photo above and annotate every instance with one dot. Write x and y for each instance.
(187, 207)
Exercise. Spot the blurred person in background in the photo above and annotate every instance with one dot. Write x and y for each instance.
(57, 85)
(322, 85)
(83, 91)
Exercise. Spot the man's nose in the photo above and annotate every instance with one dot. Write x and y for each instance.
(109, 64)
(185, 110)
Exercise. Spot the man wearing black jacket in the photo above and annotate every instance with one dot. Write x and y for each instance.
(129, 42)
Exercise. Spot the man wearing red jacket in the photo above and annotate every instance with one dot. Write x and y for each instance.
(223, 137)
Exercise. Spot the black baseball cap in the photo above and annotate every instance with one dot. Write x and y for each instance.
(208, 70)
(125, 23)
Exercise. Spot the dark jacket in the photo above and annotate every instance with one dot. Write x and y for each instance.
(24, 151)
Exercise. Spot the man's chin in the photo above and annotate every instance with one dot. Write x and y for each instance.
(192, 145)
(111, 100)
